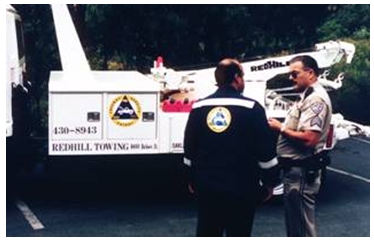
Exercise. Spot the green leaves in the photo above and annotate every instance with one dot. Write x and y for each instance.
(352, 24)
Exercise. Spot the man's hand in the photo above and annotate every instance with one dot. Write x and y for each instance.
(191, 188)
(275, 124)
(269, 194)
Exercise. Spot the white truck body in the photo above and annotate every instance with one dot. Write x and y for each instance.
(103, 112)
(112, 113)
(123, 112)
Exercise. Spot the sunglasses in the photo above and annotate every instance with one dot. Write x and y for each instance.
(295, 73)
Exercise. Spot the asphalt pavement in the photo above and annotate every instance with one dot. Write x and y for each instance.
(147, 197)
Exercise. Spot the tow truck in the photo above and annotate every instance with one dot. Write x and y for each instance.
(130, 113)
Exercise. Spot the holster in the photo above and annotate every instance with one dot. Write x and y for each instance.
(311, 164)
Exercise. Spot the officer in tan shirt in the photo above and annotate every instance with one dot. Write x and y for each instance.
(300, 144)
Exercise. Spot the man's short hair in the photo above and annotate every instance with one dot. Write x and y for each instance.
(227, 70)
(307, 61)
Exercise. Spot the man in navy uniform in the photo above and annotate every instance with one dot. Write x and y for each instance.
(228, 147)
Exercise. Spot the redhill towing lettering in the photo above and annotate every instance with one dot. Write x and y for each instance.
(269, 65)
(120, 146)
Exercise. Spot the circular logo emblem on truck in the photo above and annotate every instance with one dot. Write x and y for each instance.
(125, 110)
(218, 119)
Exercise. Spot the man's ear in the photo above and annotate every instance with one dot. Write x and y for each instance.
(235, 82)
(236, 79)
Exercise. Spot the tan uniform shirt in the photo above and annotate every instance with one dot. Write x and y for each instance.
(312, 112)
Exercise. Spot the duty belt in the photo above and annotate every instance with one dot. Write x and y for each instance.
(314, 162)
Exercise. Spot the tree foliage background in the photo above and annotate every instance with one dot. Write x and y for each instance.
(132, 36)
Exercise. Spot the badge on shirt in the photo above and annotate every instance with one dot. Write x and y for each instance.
(317, 107)
(218, 119)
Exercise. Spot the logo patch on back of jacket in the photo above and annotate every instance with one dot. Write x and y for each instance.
(218, 119)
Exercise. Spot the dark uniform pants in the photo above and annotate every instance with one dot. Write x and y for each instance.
(300, 192)
(222, 213)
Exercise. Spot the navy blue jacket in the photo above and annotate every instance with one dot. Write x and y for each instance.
(228, 143)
